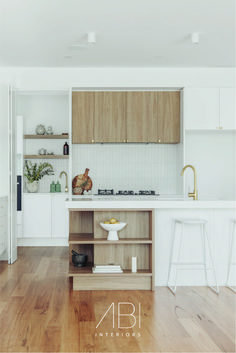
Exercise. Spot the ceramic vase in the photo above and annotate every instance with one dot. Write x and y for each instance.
(33, 187)
(40, 130)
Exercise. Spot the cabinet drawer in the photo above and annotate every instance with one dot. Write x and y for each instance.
(3, 242)
(106, 282)
(3, 225)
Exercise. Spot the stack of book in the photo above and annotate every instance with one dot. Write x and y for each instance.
(107, 269)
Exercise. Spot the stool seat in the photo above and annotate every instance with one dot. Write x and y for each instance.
(191, 221)
(200, 224)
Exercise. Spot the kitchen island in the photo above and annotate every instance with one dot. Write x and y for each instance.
(152, 219)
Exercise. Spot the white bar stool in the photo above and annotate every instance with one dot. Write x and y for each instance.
(205, 241)
(232, 241)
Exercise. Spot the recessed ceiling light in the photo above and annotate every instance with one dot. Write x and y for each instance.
(87, 41)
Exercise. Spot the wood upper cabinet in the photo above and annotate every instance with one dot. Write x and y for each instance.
(83, 117)
(110, 117)
(153, 116)
(133, 116)
(142, 116)
(168, 120)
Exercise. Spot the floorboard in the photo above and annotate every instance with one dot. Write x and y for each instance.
(39, 312)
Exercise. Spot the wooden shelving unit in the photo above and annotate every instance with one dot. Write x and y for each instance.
(83, 238)
(78, 271)
(45, 156)
(46, 137)
(136, 239)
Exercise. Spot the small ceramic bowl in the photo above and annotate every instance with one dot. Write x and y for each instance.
(112, 229)
(79, 260)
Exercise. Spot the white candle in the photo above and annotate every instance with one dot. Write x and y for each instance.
(134, 264)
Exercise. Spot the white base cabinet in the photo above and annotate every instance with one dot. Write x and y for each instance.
(59, 217)
(37, 216)
(44, 218)
(3, 224)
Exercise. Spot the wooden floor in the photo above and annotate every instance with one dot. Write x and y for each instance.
(39, 312)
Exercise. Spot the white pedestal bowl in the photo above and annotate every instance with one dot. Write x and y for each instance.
(112, 229)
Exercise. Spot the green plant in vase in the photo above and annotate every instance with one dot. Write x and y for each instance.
(34, 173)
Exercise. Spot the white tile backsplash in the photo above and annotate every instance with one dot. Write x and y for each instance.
(131, 166)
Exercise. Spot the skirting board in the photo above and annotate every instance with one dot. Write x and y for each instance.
(42, 242)
(112, 283)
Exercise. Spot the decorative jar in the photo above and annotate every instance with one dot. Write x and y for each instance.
(40, 129)
(33, 187)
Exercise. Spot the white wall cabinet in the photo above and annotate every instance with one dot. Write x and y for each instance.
(227, 108)
(44, 216)
(209, 108)
(201, 108)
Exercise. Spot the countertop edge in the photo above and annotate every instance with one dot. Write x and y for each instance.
(161, 204)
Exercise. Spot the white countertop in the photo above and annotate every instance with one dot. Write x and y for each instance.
(143, 202)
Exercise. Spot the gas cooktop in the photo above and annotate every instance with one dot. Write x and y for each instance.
(105, 192)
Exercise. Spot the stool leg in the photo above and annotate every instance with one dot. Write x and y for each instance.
(204, 252)
(171, 257)
(173, 289)
(216, 290)
(230, 259)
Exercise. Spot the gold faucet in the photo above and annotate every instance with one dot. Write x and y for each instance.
(193, 194)
(66, 188)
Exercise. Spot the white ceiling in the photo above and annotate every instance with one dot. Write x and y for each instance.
(130, 33)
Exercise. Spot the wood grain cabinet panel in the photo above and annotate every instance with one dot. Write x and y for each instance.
(82, 117)
(118, 117)
(141, 116)
(168, 120)
(110, 117)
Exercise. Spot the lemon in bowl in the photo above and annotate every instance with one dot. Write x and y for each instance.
(113, 221)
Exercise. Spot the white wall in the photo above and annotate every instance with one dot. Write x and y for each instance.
(60, 78)
(3, 140)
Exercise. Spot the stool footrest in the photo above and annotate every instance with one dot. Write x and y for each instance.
(187, 263)
(232, 288)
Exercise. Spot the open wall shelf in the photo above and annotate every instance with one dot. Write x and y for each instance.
(136, 239)
(46, 137)
(46, 156)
